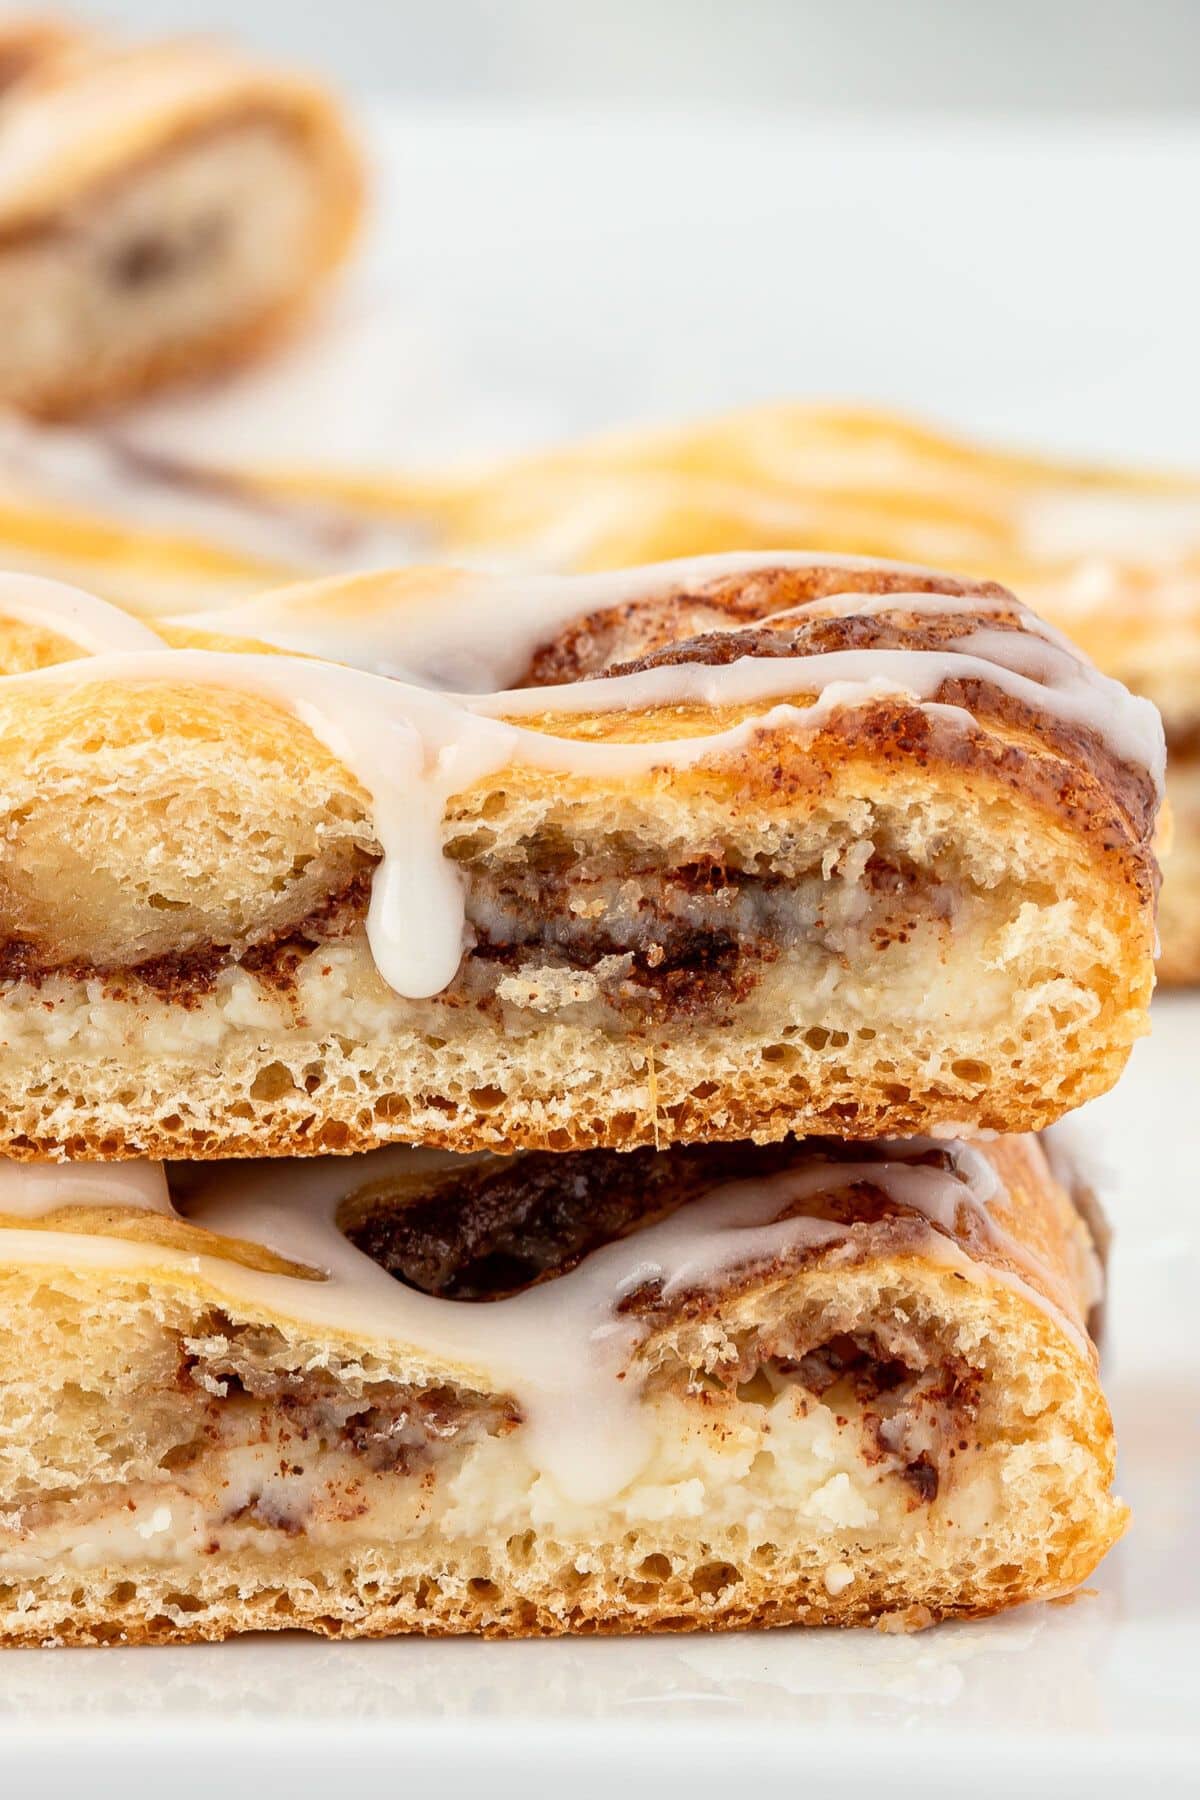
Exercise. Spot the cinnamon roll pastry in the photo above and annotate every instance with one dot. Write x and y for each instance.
(699, 1388)
(751, 846)
(1110, 555)
(164, 211)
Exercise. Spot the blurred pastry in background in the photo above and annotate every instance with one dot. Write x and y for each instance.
(165, 211)
(28, 39)
(159, 535)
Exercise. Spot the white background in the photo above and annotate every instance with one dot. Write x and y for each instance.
(1050, 56)
(526, 279)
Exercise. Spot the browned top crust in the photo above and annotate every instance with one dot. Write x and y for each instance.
(593, 645)
(693, 625)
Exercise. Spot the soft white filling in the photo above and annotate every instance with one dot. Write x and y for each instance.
(339, 993)
(790, 1469)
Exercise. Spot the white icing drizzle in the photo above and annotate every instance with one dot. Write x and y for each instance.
(478, 633)
(70, 612)
(413, 748)
(562, 1348)
(34, 1190)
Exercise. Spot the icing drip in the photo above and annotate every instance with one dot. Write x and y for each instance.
(83, 619)
(562, 1348)
(409, 748)
(413, 748)
(34, 1190)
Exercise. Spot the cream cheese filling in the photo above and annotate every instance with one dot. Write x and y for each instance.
(770, 1471)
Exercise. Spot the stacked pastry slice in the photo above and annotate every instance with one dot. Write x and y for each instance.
(599, 983)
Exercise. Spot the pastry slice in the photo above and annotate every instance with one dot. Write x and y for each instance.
(164, 211)
(699, 1388)
(781, 846)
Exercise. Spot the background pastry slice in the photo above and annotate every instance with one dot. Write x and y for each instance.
(824, 848)
(164, 211)
(819, 1384)
(30, 40)
(159, 536)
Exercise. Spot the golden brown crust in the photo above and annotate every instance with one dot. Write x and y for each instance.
(417, 1607)
(1128, 787)
(640, 627)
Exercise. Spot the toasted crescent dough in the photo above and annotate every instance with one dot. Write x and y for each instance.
(855, 911)
(855, 1414)
(164, 212)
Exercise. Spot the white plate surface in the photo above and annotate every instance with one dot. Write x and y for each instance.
(530, 280)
